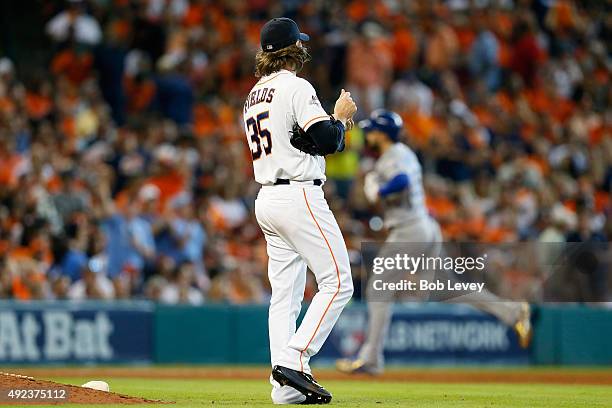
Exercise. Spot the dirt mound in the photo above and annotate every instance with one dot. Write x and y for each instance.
(19, 390)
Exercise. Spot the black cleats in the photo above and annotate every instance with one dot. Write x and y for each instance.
(304, 383)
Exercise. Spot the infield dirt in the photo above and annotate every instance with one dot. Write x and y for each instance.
(520, 375)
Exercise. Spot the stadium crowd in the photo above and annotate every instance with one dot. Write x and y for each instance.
(124, 170)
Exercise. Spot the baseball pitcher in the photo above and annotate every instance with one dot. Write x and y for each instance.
(396, 181)
(288, 133)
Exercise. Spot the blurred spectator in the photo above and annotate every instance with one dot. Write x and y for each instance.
(237, 286)
(441, 45)
(585, 230)
(75, 22)
(484, 53)
(174, 94)
(526, 52)
(109, 60)
(367, 76)
(180, 289)
(94, 284)
(180, 235)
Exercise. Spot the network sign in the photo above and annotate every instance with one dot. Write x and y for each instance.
(434, 333)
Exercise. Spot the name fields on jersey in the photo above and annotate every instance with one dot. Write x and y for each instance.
(258, 96)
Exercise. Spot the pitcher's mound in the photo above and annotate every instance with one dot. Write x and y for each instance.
(18, 390)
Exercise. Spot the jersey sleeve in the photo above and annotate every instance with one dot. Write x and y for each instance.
(390, 169)
(398, 183)
(306, 106)
(394, 166)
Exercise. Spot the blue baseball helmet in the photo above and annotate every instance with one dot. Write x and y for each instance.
(385, 121)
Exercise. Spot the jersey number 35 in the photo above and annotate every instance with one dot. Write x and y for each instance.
(258, 133)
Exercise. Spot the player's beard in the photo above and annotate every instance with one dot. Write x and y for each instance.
(372, 147)
(372, 144)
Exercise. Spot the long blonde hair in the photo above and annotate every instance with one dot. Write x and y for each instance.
(292, 57)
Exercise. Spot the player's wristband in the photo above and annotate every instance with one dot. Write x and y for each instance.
(333, 119)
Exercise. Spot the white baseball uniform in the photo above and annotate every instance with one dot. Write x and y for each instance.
(408, 205)
(299, 227)
(407, 217)
(409, 222)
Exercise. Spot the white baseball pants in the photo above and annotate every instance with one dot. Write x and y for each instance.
(301, 231)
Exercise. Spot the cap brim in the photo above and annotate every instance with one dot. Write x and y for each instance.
(366, 125)
(304, 37)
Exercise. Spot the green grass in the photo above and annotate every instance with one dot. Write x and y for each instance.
(254, 393)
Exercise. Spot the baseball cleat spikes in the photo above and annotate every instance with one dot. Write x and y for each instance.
(358, 366)
(523, 326)
(304, 383)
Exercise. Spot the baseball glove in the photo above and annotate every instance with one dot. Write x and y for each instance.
(301, 141)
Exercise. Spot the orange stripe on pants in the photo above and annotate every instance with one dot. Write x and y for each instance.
(337, 274)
